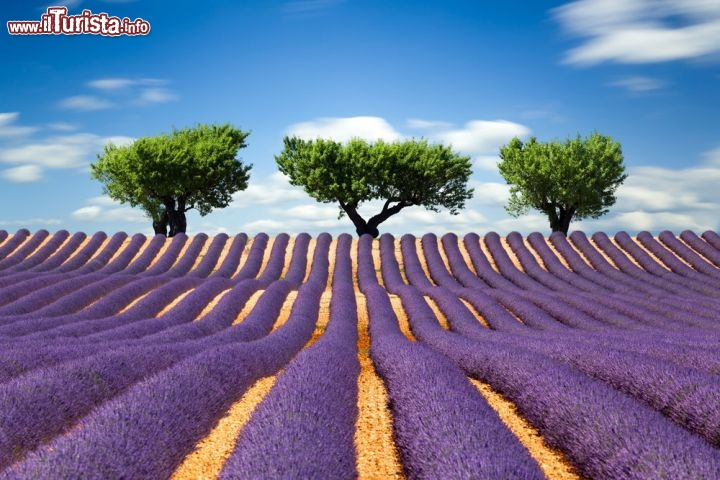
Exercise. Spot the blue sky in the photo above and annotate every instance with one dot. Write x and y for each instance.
(470, 73)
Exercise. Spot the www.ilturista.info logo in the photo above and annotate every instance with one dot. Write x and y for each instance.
(57, 22)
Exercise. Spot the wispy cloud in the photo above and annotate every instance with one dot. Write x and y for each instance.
(639, 84)
(641, 31)
(480, 136)
(23, 174)
(104, 209)
(122, 83)
(85, 103)
(28, 222)
(67, 151)
(8, 129)
(121, 91)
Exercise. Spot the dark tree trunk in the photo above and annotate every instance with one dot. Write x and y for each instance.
(560, 221)
(175, 217)
(370, 227)
(160, 225)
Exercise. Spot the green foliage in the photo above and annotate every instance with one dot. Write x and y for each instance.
(576, 177)
(401, 173)
(169, 173)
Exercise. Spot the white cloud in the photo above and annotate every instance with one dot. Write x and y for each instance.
(27, 222)
(103, 209)
(156, 95)
(490, 193)
(23, 173)
(639, 84)
(641, 31)
(487, 162)
(62, 126)
(68, 151)
(91, 212)
(419, 124)
(273, 190)
(480, 136)
(654, 221)
(7, 129)
(343, 129)
(119, 83)
(85, 103)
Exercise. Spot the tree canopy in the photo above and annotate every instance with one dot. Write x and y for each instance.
(168, 174)
(402, 174)
(575, 178)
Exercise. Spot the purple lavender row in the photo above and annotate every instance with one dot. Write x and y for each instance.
(602, 266)
(57, 258)
(685, 395)
(411, 264)
(42, 297)
(627, 266)
(507, 267)
(699, 263)
(712, 238)
(232, 257)
(699, 245)
(254, 259)
(145, 309)
(41, 254)
(532, 315)
(652, 268)
(79, 385)
(65, 306)
(19, 359)
(148, 430)
(122, 261)
(19, 287)
(305, 426)
(260, 320)
(708, 275)
(640, 283)
(605, 433)
(582, 278)
(534, 270)
(438, 271)
(11, 245)
(295, 274)
(482, 266)
(458, 266)
(366, 275)
(206, 265)
(181, 265)
(459, 435)
(81, 257)
(680, 271)
(101, 259)
(215, 328)
(165, 261)
(601, 274)
(389, 267)
(276, 262)
(3, 235)
(24, 250)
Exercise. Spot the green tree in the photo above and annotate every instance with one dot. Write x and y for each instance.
(402, 174)
(576, 178)
(169, 174)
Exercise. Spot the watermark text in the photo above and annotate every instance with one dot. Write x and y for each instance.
(57, 22)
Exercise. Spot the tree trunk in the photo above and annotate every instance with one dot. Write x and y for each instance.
(160, 225)
(175, 217)
(561, 222)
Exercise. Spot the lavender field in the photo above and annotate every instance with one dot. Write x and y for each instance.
(479, 357)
